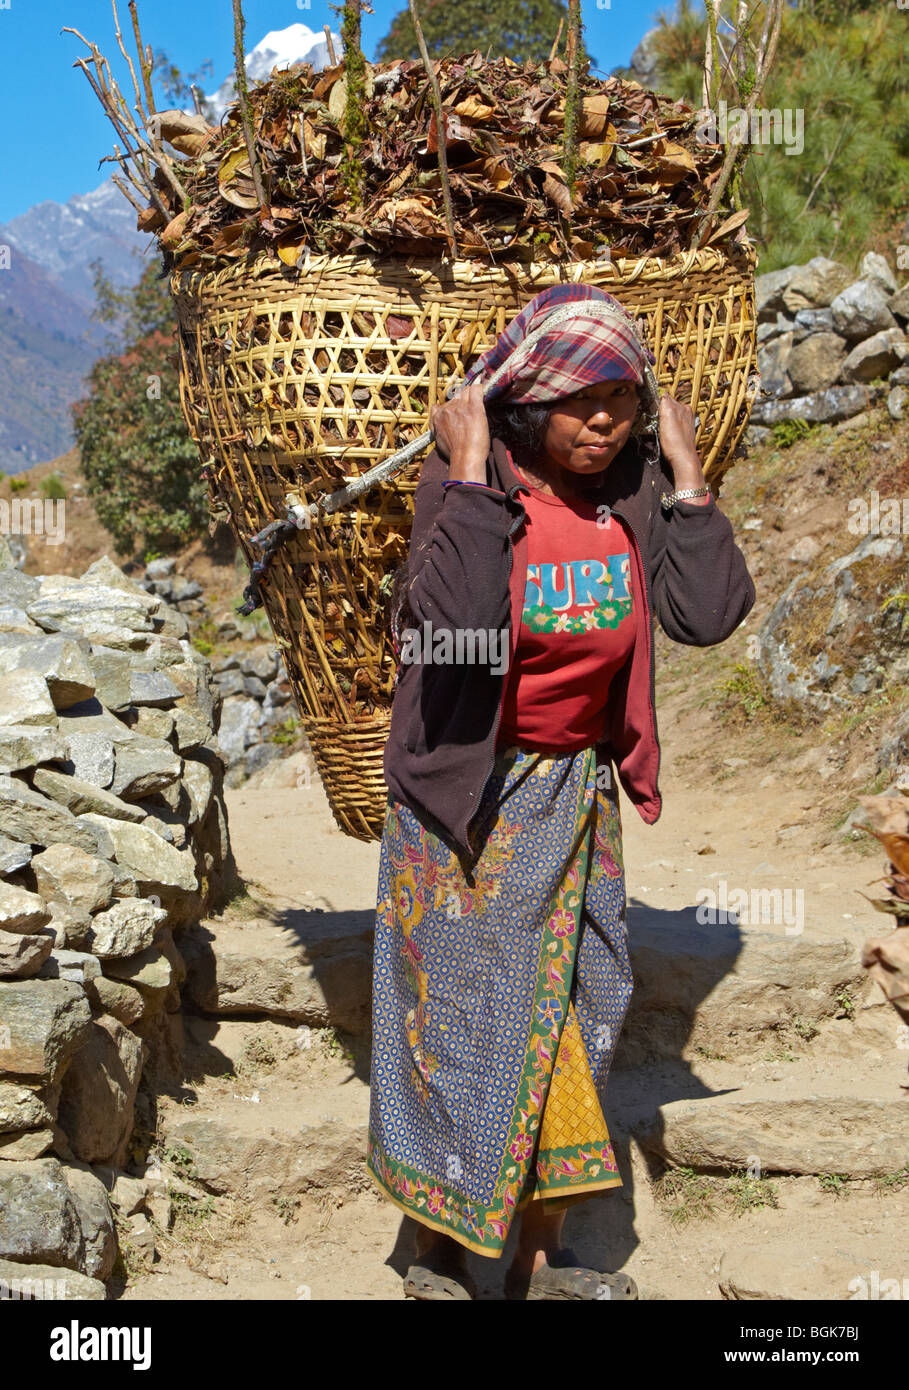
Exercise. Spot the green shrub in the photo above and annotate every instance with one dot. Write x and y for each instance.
(789, 432)
(53, 487)
(141, 467)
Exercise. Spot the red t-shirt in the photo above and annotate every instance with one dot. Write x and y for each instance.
(577, 627)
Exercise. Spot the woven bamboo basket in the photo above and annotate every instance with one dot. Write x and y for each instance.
(294, 380)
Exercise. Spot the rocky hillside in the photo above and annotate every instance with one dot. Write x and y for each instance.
(113, 840)
(831, 343)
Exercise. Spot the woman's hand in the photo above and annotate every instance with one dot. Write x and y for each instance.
(677, 434)
(462, 430)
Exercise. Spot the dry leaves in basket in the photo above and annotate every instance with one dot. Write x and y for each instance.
(643, 184)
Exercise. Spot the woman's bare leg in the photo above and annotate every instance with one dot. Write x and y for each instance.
(429, 1239)
(541, 1236)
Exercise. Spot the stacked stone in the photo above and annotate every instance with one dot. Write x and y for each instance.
(255, 690)
(174, 589)
(257, 701)
(113, 838)
(830, 345)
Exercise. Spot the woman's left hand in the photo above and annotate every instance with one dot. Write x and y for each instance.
(677, 435)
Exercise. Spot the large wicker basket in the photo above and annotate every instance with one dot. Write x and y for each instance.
(293, 380)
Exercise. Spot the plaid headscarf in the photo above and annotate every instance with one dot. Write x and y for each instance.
(577, 353)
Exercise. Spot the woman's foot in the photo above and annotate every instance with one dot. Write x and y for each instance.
(439, 1271)
(561, 1275)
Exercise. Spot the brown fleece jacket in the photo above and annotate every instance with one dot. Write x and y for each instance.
(465, 540)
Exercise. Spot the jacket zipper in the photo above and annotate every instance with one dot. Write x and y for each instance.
(511, 530)
(616, 511)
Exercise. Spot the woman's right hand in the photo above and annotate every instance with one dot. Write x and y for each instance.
(462, 430)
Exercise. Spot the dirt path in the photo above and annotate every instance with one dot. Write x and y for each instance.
(257, 1095)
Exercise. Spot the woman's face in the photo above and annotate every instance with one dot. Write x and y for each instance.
(587, 430)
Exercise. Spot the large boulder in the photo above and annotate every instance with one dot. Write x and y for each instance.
(40, 1282)
(13, 855)
(126, 928)
(90, 755)
(769, 290)
(60, 660)
(104, 614)
(144, 766)
(70, 877)
(862, 309)
(832, 635)
(21, 1107)
(153, 862)
(39, 1219)
(111, 671)
(25, 699)
(36, 820)
(98, 1094)
(17, 589)
(44, 1023)
(876, 356)
(877, 268)
(25, 746)
(96, 1221)
(238, 728)
(821, 407)
(814, 320)
(23, 956)
(20, 910)
(816, 362)
(815, 285)
(773, 363)
(81, 797)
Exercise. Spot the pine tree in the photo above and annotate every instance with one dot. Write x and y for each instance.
(841, 63)
(519, 29)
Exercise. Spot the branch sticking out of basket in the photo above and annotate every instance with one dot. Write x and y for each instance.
(440, 127)
(243, 98)
(765, 58)
(572, 95)
(355, 102)
(136, 148)
(145, 58)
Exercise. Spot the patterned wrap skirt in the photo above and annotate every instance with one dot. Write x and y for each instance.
(500, 985)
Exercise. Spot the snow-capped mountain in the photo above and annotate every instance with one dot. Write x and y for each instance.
(64, 238)
(47, 339)
(280, 48)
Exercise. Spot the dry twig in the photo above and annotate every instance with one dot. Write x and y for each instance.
(440, 126)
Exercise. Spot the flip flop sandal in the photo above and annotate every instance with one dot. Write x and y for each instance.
(440, 1278)
(568, 1279)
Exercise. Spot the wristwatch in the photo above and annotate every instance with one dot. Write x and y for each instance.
(668, 498)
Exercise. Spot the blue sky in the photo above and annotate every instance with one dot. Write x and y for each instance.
(57, 132)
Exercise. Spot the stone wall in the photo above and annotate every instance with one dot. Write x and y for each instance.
(830, 344)
(257, 698)
(113, 840)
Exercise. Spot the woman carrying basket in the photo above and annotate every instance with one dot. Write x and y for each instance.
(542, 548)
